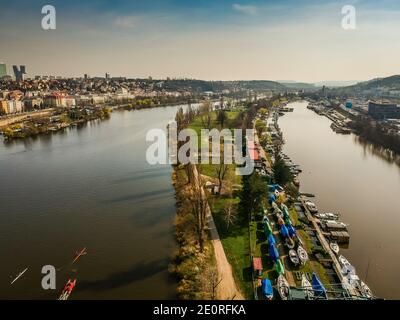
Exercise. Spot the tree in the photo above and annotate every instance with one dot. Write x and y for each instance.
(205, 115)
(221, 118)
(221, 170)
(230, 213)
(253, 191)
(281, 171)
(199, 202)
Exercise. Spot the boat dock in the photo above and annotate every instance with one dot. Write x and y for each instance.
(320, 235)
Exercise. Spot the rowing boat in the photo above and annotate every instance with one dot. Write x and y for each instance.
(307, 287)
(283, 287)
(67, 289)
(19, 275)
(294, 258)
(79, 254)
(303, 256)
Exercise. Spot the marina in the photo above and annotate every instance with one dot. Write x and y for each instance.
(353, 167)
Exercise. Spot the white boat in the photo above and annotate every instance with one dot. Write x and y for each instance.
(283, 287)
(347, 268)
(327, 216)
(311, 207)
(303, 256)
(335, 247)
(307, 287)
(365, 290)
(294, 258)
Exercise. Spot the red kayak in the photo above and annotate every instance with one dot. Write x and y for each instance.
(67, 290)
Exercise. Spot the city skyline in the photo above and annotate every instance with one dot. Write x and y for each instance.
(229, 40)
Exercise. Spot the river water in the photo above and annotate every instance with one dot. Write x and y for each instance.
(354, 180)
(88, 187)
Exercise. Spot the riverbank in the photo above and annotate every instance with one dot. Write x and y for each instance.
(347, 178)
(57, 120)
(197, 232)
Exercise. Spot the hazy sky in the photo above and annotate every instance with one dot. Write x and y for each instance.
(210, 39)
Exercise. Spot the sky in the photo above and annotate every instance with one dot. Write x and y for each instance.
(299, 40)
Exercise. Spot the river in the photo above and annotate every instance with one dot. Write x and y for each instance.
(350, 178)
(88, 187)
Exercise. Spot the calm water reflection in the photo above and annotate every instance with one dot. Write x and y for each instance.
(89, 187)
(353, 179)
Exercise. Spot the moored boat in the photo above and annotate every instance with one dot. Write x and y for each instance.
(319, 289)
(307, 287)
(283, 287)
(267, 290)
(289, 243)
(365, 290)
(303, 256)
(311, 207)
(294, 258)
(347, 268)
(335, 247)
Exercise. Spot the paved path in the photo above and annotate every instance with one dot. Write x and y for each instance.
(227, 289)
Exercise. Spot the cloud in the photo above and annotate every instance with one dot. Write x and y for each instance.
(252, 10)
(125, 22)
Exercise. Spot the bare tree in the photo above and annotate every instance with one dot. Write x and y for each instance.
(230, 214)
(199, 202)
(221, 170)
(205, 115)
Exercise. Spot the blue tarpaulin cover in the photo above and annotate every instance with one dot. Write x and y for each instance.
(292, 231)
(319, 289)
(284, 231)
(271, 239)
(267, 288)
(273, 253)
(271, 198)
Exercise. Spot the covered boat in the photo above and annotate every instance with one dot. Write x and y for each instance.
(292, 231)
(283, 287)
(280, 269)
(284, 231)
(319, 289)
(273, 252)
(267, 229)
(267, 290)
(271, 239)
(303, 256)
(307, 287)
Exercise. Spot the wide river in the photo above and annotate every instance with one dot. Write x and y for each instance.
(350, 178)
(88, 187)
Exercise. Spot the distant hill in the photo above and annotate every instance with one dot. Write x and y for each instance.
(392, 83)
(298, 85)
(334, 84)
(217, 86)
